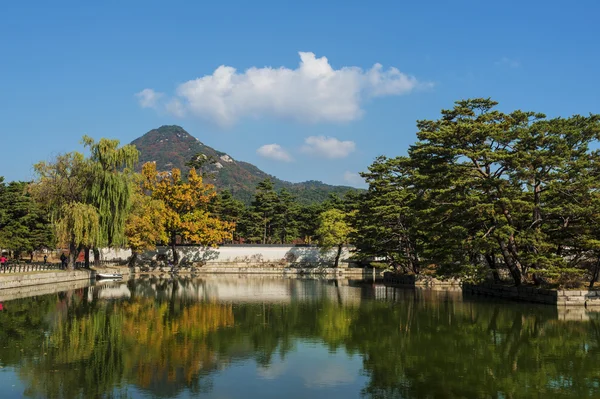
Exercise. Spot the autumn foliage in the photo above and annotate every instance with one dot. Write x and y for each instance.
(186, 212)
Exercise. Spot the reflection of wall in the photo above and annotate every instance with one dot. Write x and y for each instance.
(112, 290)
(241, 254)
(258, 289)
(9, 294)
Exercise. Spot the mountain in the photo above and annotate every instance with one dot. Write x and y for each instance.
(173, 147)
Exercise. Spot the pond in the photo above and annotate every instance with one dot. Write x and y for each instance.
(273, 337)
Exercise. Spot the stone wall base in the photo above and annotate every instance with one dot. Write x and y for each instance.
(9, 294)
(242, 268)
(587, 298)
(41, 278)
(418, 281)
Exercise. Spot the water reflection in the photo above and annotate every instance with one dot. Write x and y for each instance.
(274, 337)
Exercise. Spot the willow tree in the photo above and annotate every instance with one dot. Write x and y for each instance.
(79, 226)
(110, 189)
(61, 189)
(187, 202)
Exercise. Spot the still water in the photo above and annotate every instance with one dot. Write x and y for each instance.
(265, 337)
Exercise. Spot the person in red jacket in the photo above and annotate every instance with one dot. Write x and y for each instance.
(3, 260)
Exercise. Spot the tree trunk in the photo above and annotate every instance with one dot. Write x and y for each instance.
(510, 263)
(595, 273)
(264, 240)
(337, 256)
(72, 255)
(96, 257)
(413, 257)
(133, 259)
(537, 200)
(491, 261)
(87, 257)
(174, 250)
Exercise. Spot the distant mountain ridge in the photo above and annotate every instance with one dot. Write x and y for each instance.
(172, 147)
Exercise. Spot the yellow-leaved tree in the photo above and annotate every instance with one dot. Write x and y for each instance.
(186, 207)
(145, 224)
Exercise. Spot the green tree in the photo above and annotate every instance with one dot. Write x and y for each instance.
(110, 189)
(61, 190)
(264, 203)
(496, 182)
(285, 217)
(24, 227)
(308, 221)
(386, 223)
(229, 209)
(250, 226)
(334, 231)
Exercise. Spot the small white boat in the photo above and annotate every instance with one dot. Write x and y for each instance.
(109, 275)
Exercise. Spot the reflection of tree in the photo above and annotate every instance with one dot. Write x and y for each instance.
(170, 349)
(139, 342)
(455, 351)
(163, 340)
(22, 326)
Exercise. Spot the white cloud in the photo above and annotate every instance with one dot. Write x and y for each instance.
(175, 107)
(509, 62)
(328, 147)
(313, 92)
(274, 151)
(354, 179)
(148, 98)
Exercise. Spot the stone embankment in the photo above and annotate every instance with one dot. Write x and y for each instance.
(582, 298)
(41, 280)
(418, 280)
(8, 294)
(586, 298)
(245, 268)
(45, 277)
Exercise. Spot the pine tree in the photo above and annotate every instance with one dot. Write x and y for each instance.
(285, 217)
(264, 203)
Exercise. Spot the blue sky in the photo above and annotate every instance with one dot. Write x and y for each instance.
(74, 68)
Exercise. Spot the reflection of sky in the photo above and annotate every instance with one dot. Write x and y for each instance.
(10, 384)
(311, 371)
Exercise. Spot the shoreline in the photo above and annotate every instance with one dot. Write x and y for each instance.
(18, 285)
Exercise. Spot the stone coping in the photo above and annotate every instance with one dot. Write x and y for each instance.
(587, 298)
(17, 280)
(417, 280)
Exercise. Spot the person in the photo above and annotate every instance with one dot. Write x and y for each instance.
(3, 260)
(63, 260)
(45, 259)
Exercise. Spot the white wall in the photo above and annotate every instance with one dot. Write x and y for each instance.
(241, 253)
